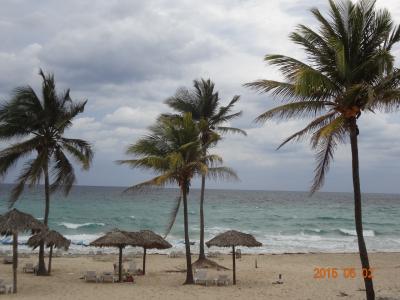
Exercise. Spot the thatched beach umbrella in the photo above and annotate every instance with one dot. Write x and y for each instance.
(149, 240)
(233, 238)
(13, 222)
(116, 238)
(52, 239)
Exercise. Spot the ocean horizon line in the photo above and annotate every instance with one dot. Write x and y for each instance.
(224, 189)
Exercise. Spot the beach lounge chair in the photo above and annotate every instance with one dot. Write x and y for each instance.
(200, 277)
(132, 269)
(116, 269)
(222, 280)
(215, 254)
(7, 260)
(28, 268)
(107, 277)
(5, 288)
(176, 254)
(137, 254)
(90, 276)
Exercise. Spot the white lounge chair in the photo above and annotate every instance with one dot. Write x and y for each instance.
(107, 277)
(28, 268)
(7, 260)
(215, 254)
(200, 277)
(5, 288)
(91, 276)
(222, 280)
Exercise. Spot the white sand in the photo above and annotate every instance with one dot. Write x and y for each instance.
(297, 270)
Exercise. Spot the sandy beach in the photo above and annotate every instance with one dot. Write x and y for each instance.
(253, 283)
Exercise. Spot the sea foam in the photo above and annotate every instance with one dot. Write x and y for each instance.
(76, 226)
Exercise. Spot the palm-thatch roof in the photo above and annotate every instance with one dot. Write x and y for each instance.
(150, 240)
(115, 238)
(16, 221)
(233, 238)
(51, 238)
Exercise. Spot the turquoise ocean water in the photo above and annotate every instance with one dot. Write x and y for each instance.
(282, 221)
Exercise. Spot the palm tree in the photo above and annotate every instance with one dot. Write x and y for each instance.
(349, 71)
(174, 151)
(204, 105)
(42, 124)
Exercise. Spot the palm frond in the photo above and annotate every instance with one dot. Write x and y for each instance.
(10, 156)
(172, 216)
(224, 173)
(30, 174)
(63, 173)
(303, 109)
(325, 141)
(225, 129)
(158, 181)
(81, 150)
(311, 127)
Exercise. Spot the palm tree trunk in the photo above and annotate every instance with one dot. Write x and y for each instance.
(234, 264)
(50, 257)
(203, 186)
(189, 272)
(144, 261)
(15, 261)
(42, 265)
(369, 288)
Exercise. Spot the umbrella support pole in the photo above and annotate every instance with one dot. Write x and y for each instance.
(234, 264)
(50, 258)
(120, 265)
(15, 261)
(144, 260)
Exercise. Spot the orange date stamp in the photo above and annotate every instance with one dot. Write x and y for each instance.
(347, 273)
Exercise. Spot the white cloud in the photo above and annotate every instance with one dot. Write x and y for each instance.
(126, 57)
(137, 117)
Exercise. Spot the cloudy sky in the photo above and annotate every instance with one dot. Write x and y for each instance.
(126, 57)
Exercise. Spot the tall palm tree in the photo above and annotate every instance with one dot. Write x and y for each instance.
(204, 105)
(349, 71)
(173, 150)
(41, 124)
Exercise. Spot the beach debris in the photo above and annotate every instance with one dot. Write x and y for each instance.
(279, 281)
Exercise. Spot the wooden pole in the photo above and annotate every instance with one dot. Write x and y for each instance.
(15, 261)
(50, 257)
(234, 264)
(144, 260)
(120, 265)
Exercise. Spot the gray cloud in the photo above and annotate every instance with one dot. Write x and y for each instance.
(127, 57)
